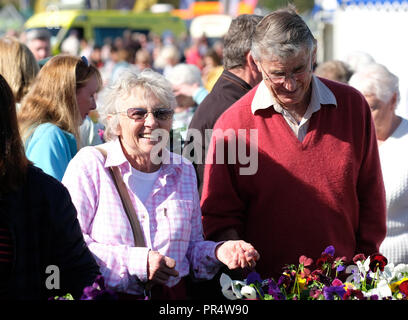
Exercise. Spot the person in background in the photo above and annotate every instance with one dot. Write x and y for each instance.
(181, 76)
(71, 45)
(335, 70)
(53, 110)
(381, 89)
(96, 57)
(312, 175)
(38, 224)
(239, 76)
(212, 69)
(358, 59)
(137, 115)
(143, 59)
(39, 42)
(18, 66)
(168, 57)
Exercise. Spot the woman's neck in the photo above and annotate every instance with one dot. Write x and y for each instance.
(139, 161)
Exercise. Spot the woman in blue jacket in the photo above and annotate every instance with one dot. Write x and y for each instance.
(52, 111)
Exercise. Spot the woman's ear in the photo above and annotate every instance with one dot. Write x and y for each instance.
(393, 101)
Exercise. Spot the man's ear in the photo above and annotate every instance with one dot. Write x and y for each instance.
(314, 53)
(251, 62)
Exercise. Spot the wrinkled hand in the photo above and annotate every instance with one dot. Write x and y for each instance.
(160, 268)
(237, 254)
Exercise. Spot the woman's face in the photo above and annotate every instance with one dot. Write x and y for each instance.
(86, 96)
(137, 135)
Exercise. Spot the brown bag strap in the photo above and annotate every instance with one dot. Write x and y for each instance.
(126, 202)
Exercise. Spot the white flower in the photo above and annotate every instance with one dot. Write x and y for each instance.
(231, 288)
(401, 270)
(249, 292)
(364, 268)
(382, 290)
(388, 274)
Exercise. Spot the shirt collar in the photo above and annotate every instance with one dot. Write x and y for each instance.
(321, 95)
(116, 157)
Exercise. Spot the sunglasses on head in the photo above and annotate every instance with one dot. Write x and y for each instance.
(140, 114)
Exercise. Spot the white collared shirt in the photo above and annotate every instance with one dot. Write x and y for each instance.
(321, 94)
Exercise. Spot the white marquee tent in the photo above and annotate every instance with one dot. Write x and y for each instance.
(377, 27)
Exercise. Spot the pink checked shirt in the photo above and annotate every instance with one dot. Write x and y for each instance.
(170, 218)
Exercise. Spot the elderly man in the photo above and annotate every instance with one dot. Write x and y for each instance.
(380, 88)
(318, 176)
(38, 41)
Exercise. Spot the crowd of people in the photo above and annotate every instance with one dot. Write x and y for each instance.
(161, 163)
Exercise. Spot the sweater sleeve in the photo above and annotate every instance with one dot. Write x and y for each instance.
(221, 205)
(371, 193)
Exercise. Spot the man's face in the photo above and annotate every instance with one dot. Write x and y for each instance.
(41, 49)
(289, 79)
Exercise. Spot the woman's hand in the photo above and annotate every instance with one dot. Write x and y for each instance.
(237, 254)
(160, 268)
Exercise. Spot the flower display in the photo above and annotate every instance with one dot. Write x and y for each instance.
(96, 291)
(369, 278)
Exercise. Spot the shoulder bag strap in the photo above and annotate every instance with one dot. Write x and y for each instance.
(126, 202)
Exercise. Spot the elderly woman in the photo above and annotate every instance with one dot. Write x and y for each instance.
(380, 88)
(163, 195)
(52, 112)
(189, 91)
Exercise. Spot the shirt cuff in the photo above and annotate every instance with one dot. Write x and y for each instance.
(210, 254)
(137, 265)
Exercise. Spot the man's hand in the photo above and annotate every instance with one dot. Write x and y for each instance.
(160, 268)
(237, 254)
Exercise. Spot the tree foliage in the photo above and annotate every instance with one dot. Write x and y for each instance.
(301, 5)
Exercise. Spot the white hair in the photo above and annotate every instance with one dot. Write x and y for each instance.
(184, 73)
(281, 33)
(357, 60)
(377, 80)
(167, 53)
(151, 82)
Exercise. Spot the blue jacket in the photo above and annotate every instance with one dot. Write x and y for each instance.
(51, 149)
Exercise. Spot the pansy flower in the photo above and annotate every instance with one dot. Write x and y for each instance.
(377, 261)
(403, 287)
(359, 257)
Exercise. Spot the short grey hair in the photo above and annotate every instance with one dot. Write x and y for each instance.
(377, 80)
(41, 34)
(281, 33)
(238, 40)
(148, 80)
(184, 73)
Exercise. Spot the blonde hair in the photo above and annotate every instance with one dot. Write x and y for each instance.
(18, 66)
(53, 96)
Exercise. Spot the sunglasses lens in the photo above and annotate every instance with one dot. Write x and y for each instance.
(136, 113)
(163, 114)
